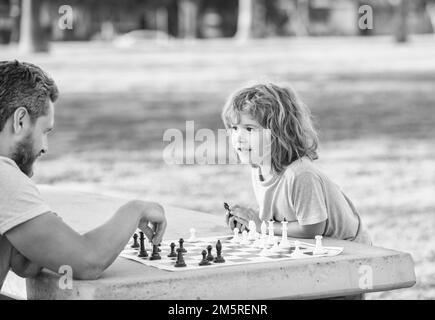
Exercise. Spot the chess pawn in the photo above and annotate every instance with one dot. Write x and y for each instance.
(173, 254)
(271, 238)
(204, 261)
(297, 253)
(209, 255)
(235, 238)
(318, 250)
(252, 230)
(181, 241)
(135, 243)
(245, 238)
(275, 247)
(192, 235)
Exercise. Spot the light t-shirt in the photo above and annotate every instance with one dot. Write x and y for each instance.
(20, 201)
(303, 193)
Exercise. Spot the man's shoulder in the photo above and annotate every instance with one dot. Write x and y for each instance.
(11, 177)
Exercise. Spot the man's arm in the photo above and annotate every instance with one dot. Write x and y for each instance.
(47, 241)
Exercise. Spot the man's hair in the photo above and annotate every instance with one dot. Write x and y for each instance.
(24, 85)
(279, 109)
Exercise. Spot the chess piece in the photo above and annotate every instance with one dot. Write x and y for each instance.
(209, 255)
(265, 252)
(319, 247)
(204, 261)
(297, 253)
(252, 234)
(180, 259)
(235, 238)
(142, 251)
(219, 258)
(173, 254)
(181, 241)
(270, 239)
(245, 238)
(275, 247)
(155, 254)
(192, 235)
(135, 243)
(284, 244)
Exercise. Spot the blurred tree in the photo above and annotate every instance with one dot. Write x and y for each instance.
(34, 35)
(401, 30)
(244, 20)
(187, 18)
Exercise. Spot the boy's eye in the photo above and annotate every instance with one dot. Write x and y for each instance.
(234, 128)
(249, 129)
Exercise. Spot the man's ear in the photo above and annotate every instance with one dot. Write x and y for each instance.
(20, 120)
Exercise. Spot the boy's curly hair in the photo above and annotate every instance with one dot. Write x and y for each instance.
(280, 110)
(24, 85)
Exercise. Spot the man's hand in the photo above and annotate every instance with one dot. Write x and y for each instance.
(153, 221)
(22, 266)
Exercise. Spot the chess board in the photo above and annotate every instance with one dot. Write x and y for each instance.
(233, 253)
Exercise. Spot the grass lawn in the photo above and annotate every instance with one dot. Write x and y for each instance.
(373, 102)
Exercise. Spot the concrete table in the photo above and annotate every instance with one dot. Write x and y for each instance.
(358, 269)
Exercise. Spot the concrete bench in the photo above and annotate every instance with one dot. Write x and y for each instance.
(325, 277)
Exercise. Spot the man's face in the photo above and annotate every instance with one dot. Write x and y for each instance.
(34, 143)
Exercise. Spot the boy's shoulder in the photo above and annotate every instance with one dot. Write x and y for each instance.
(302, 167)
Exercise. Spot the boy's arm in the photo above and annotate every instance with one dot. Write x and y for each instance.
(295, 230)
(47, 241)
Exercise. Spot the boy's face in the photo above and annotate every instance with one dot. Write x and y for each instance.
(250, 140)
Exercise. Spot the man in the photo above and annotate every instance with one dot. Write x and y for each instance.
(30, 232)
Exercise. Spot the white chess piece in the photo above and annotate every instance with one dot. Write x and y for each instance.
(319, 247)
(284, 244)
(252, 235)
(271, 238)
(275, 247)
(297, 253)
(192, 235)
(265, 252)
(245, 239)
(236, 238)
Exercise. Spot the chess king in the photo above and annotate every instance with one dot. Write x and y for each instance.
(29, 231)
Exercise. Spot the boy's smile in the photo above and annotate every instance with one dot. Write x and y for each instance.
(247, 139)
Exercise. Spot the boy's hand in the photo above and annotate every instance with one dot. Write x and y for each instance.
(153, 222)
(239, 217)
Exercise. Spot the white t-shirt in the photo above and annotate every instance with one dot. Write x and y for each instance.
(20, 201)
(303, 193)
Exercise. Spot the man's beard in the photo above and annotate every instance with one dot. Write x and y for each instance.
(24, 156)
